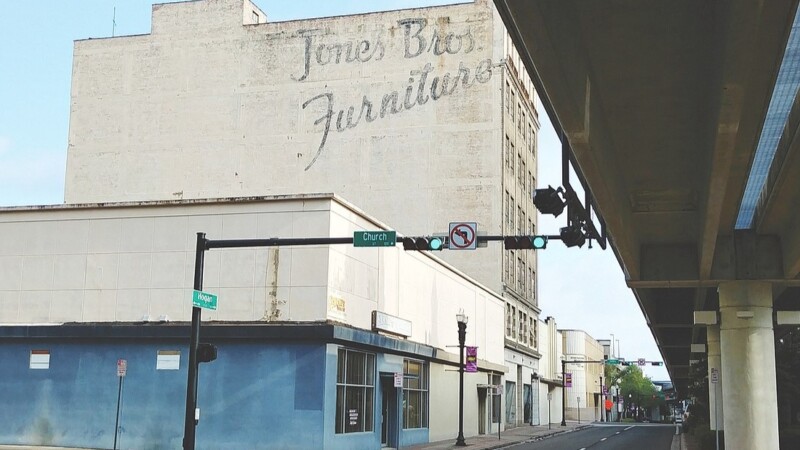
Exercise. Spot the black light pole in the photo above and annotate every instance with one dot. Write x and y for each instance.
(462, 336)
(563, 394)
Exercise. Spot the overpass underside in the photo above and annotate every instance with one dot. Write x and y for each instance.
(663, 105)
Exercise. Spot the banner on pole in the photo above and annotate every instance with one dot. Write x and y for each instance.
(472, 360)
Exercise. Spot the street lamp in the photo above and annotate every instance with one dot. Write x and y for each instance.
(462, 335)
(563, 393)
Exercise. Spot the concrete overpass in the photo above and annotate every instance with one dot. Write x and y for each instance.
(666, 107)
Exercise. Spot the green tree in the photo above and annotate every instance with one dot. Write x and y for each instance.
(635, 387)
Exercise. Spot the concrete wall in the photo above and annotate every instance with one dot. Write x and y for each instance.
(269, 394)
(401, 112)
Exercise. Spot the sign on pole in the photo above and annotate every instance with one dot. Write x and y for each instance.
(472, 360)
(205, 300)
(398, 379)
(641, 362)
(374, 238)
(122, 367)
(567, 379)
(612, 361)
(463, 235)
(714, 375)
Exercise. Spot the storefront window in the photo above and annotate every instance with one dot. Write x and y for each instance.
(355, 391)
(415, 394)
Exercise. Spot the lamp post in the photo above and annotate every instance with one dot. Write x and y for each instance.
(462, 335)
(563, 393)
(549, 397)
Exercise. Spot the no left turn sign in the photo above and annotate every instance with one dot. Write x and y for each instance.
(463, 236)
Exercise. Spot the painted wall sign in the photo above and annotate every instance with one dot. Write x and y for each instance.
(424, 84)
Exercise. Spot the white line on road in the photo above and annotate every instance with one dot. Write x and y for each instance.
(626, 429)
(601, 440)
(618, 432)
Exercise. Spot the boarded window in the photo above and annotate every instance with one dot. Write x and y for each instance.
(168, 360)
(40, 359)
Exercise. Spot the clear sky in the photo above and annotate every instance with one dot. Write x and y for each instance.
(583, 289)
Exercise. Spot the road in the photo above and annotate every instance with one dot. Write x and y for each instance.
(606, 437)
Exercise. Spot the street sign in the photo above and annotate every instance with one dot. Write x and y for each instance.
(567, 379)
(612, 361)
(204, 300)
(398, 379)
(463, 235)
(641, 362)
(714, 375)
(374, 238)
(605, 390)
(122, 367)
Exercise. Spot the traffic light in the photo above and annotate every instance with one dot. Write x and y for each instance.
(423, 243)
(547, 201)
(206, 352)
(657, 363)
(626, 363)
(535, 242)
(573, 235)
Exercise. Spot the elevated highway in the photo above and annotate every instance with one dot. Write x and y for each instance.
(665, 107)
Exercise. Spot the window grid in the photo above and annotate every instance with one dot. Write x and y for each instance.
(415, 394)
(355, 387)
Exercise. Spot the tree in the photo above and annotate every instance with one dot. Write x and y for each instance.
(635, 387)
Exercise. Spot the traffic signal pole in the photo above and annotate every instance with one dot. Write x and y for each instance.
(191, 418)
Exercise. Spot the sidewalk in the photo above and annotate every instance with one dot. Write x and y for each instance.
(508, 437)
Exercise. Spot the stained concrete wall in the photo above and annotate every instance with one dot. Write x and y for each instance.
(401, 112)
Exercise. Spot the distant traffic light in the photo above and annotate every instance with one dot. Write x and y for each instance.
(657, 363)
(535, 242)
(547, 201)
(573, 235)
(626, 363)
(206, 352)
(423, 243)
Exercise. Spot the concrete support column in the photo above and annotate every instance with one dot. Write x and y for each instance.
(714, 362)
(747, 347)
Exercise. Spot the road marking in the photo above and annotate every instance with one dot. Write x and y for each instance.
(617, 432)
(584, 448)
(601, 440)
(626, 429)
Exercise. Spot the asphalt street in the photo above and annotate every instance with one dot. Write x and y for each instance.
(605, 437)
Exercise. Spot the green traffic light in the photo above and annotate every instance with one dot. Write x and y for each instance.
(435, 244)
(539, 242)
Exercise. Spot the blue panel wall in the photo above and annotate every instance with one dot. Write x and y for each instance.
(253, 396)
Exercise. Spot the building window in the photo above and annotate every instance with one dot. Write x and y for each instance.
(255, 17)
(511, 105)
(511, 402)
(494, 380)
(522, 177)
(509, 154)
(522, 334)
(508, 99)
(524, 280)
(514, 324)
(521, 126)
(355, 391)
(40, 359)
(415, 394)
(519, 114)
(513, 213)
(509, 315)
(520, 276)
(168, 360)
(534, 333)
(508, 205)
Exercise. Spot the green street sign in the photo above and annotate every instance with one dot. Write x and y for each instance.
(374, 238)
(612, 361)
(204, 300)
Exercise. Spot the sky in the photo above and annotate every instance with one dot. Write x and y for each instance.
(581, 288)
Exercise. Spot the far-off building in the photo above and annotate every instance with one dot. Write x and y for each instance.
(584, 396)
(420, 117)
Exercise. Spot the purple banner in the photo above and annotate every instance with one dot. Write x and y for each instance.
(472, 360)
